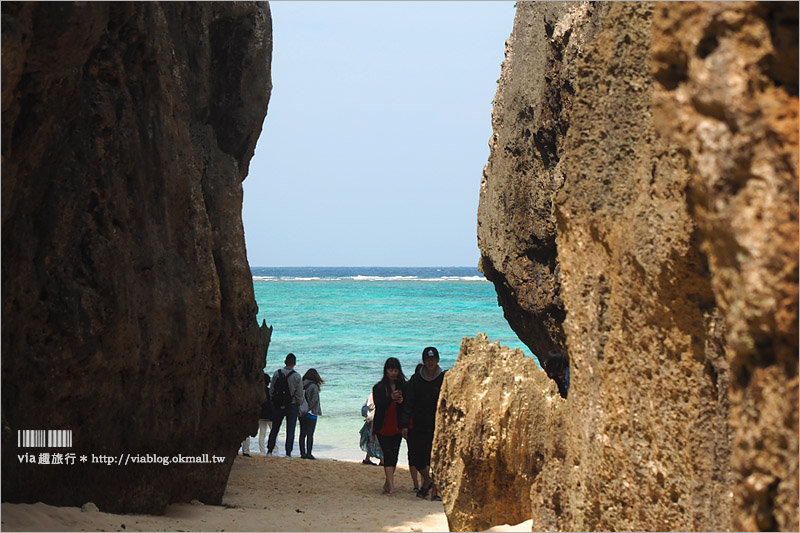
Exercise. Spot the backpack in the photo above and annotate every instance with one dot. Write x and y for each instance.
(281, 396)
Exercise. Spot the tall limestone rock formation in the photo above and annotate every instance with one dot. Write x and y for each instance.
(128, 307)
(727, 97)
(640, 210)
(498, 424)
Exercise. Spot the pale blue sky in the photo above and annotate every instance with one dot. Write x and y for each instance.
(376, 135)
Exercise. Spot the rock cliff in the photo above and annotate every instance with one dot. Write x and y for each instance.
(639, 210)
(128, 307)
(495, 403)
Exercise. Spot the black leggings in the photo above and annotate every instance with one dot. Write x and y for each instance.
(390, 446)
(307, 427)
(420, 443)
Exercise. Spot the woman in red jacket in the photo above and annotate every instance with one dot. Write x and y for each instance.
(391, 419)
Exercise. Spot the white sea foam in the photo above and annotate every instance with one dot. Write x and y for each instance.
(384, 278)
(457, 278)
(277, 278)
(443, 278)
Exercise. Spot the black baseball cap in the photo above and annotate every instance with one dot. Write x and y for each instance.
(430, 351)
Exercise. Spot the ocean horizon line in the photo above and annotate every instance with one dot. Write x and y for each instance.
(371, 273)
(363, 266)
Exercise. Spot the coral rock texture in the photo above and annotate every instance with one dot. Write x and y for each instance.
(530, 119)
(664, 207)
(494, 408)
(727, 97)
(128, 307)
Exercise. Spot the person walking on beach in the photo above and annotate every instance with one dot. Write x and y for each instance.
(308, 422)
(264, 423)
(423, 397)
(411, 468)
(391, 419)
(286, 391)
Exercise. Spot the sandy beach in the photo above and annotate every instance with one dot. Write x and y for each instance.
(265, 494)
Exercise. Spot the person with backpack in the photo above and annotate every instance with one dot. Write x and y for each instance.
(308, 420)
(286, 391)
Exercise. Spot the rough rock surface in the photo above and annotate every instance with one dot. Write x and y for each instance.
(530, 119)
(640, 207)
(727, 96)
(494, 404)
(128, 307)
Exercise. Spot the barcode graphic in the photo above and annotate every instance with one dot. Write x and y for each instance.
(44, 438)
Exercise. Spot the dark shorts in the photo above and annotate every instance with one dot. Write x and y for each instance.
(390, 447)
(420, 442)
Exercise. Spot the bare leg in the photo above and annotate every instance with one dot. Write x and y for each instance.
(426, 477)
(434, 488)
(427, 482)
(388, 487)
(414, 476)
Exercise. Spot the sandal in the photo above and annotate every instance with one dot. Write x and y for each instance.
(367, 462)
(423, 492)
(436, 498)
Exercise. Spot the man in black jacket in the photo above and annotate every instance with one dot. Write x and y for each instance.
(424, 388)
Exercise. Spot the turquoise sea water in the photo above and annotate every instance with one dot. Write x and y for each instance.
(345, 322)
